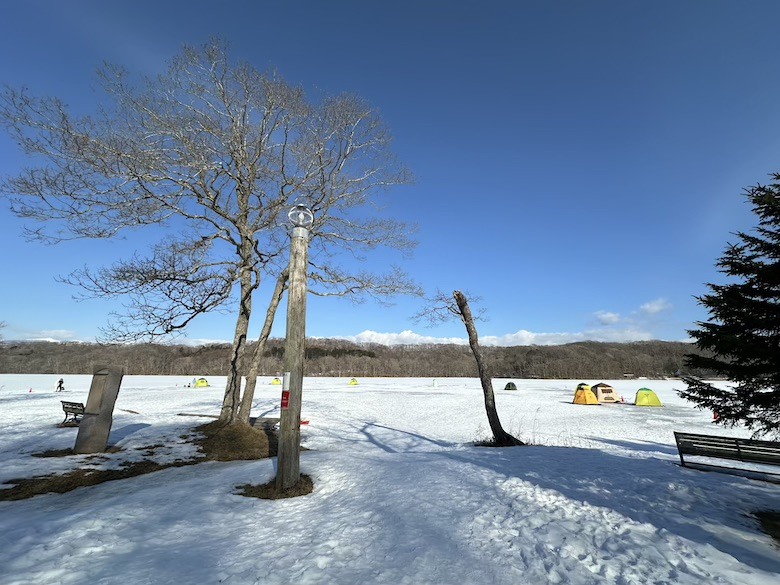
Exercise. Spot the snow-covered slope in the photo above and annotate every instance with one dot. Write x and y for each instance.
(400, 496)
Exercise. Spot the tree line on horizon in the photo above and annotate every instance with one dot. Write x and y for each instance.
(334, 357)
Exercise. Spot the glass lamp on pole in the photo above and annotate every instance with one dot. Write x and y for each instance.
(301, 216)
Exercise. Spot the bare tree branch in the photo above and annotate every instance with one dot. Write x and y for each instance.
(442, 307)
(218, 151)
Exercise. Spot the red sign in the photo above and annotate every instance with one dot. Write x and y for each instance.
(285, 399)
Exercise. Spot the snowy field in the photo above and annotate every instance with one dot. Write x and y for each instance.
(400, 496)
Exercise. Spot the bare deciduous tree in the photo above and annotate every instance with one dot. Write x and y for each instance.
(442, 307)
(215, 153)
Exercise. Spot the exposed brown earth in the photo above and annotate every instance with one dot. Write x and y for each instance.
(216, 442)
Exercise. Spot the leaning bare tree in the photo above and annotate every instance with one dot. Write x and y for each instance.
(442, 307)
(213, 154)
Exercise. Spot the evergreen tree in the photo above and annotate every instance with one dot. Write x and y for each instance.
(743, 334)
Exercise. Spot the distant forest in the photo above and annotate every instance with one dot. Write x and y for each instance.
(329, 357)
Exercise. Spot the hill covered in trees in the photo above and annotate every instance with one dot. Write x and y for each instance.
(329, 357)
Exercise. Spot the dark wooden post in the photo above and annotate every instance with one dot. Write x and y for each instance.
(502, 438)
(289, 456)
(95, 425)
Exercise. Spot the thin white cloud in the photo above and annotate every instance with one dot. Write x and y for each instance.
(620, 335)
(408, 337)
(530, 338)
(195, 342)
(521, 337)
(655, 307)
(47, 335)
(607, 318)
(524, 337)
(404, 338)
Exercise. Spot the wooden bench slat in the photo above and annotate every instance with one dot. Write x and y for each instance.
(72, 410)
(731, 448)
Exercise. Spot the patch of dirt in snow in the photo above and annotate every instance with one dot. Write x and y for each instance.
(268, 491)
(216, 442)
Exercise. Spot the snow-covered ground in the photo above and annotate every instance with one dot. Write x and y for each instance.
(400, 496)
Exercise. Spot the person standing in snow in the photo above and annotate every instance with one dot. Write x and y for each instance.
(60, 385)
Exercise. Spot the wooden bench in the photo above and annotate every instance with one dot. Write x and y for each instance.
(73, 412)
(730, 448)
(266, 423)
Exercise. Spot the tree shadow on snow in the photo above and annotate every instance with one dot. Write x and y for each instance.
(125, 431)
(648, 446)
(686, 502)
(410, 441)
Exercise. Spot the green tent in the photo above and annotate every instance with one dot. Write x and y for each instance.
(510, 386)
(646, 397)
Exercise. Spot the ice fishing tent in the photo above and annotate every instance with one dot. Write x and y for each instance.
(201, 383)
(276, 382)
(584, 395)
(510, 386)
(605, 393)
(646, 397)
(353, 382)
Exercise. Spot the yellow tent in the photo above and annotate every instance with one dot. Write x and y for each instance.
(584, 395)
(353, 382)
(276, 382)
(201, 383)
(646, 397)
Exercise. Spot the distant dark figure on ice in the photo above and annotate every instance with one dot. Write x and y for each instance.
(60, 385)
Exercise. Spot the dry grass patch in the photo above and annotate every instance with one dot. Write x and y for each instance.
(54, 453)
(217, 443)
(235, 442)
(492, 443)
(268, 491)
(59, 484)
(66, 452)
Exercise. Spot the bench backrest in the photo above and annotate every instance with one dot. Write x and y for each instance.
(747, 450)
(72, 406)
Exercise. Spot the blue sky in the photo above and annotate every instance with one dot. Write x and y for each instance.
(579, 165)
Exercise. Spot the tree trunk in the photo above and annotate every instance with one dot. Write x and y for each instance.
(230, 402)
(501, 437)
(251, 376)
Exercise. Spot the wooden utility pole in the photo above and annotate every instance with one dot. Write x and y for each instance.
(289, 452)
